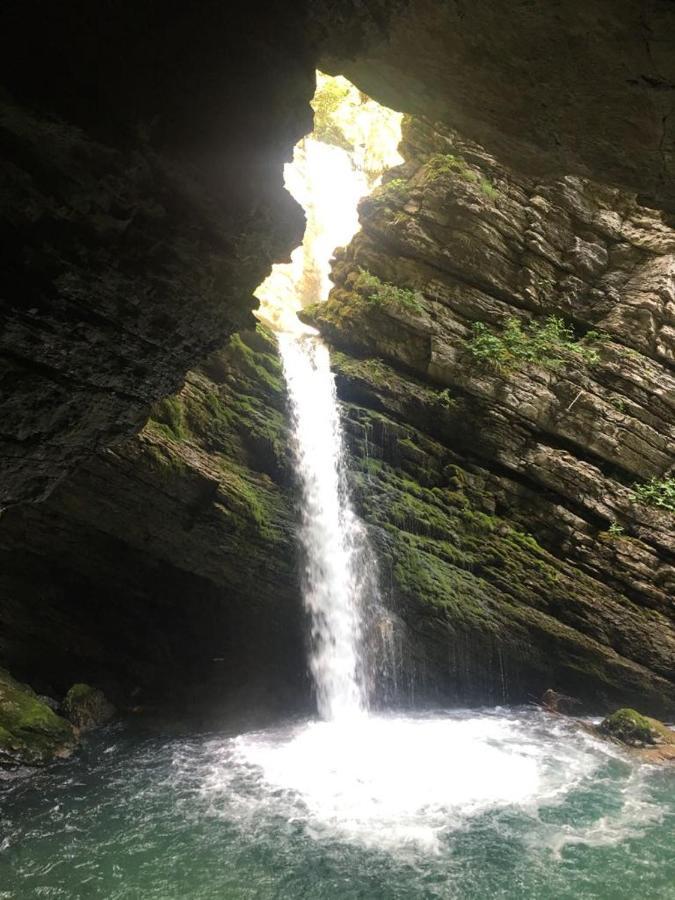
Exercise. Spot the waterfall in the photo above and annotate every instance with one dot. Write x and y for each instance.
(338, 564)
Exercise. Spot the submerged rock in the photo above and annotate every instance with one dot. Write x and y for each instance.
(30, 732)
(87, 707)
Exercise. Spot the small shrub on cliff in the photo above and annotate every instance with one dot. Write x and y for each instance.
(394, 190)
(329, 96)
(446, 164)
(657, 492)
(382, 293)
(548, 343)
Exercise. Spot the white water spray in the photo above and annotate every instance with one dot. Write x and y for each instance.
(334, 542)
(328, 179)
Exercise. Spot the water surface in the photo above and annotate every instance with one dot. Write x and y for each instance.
(500, 803)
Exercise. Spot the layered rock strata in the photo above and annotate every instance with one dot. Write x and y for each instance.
(165, 570)
(498, 466)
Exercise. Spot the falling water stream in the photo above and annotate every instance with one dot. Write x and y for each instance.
(334, 541)
(350, 805)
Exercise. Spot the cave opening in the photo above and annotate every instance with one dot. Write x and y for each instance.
(353, 142)
(354, 458)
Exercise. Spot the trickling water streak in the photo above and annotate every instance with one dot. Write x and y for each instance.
(333, 539)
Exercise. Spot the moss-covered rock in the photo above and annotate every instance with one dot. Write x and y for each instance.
(30, 732)
(86, 707)
(630, 727)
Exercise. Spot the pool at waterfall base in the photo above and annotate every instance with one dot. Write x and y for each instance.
(509, 803)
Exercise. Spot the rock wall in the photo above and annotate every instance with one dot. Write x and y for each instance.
(164, 571)
(141, 154)
(142, 150)
(503, 489)
(142, 202)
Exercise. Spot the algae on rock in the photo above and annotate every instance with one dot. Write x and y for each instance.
(30, 731)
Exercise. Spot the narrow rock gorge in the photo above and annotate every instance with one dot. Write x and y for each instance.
(337, 454)
(503, 344)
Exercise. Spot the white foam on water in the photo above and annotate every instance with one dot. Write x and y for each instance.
(396, 782)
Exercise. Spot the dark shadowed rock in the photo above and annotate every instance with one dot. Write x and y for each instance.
(87, 707)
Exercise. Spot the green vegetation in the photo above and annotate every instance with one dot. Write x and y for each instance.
(382, 293)
(657, 492)
(395, 190)
(629, 727)
(329, 96)
(170, 414)
(488, 188)
(615, 530)
(442, 164)
(29, 730)
(549, 343)
(445, 399)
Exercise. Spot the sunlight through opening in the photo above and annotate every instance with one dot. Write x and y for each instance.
(354, 141)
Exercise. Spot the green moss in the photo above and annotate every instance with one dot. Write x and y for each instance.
(488, 188)
(549, 343)
(78, 693)
(170, 414)
(168, 461)
(265, 367)
(629, 727)
(394, 191)
(442, 165)
(254, 505)
(382, 293)
(30, 731)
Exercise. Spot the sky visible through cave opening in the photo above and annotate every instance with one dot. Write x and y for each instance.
(353, 142)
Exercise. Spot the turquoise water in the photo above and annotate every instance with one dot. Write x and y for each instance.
(480, 804)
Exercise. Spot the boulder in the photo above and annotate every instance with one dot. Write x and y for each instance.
(30, 732)
(648, 738)
(87, 707)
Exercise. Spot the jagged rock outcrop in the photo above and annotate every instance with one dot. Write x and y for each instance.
(498, 460)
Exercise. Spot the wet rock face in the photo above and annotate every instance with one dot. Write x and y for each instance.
(142, 201)
(503, 404)
(142, 196)
(165, 571)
